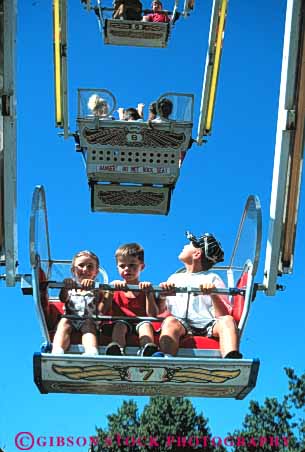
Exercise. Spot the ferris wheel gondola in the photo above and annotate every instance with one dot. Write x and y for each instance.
(125, 23)
(133, 166)
(198, 369)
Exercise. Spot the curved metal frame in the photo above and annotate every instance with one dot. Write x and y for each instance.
(248, 298)
(38, 202)
(256, 202)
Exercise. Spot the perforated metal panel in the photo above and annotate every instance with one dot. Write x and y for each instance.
(122, 151)
(160, 167)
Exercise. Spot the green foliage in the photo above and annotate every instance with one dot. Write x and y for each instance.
(263, 425)
(297, 388)
(173, 420)
(166, 424)
(274, 425)
(122, 427)
(172, 424)
(297, 397)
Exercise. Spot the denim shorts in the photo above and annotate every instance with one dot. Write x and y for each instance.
(84, 326)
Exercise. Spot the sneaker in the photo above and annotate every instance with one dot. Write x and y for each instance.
(92, 351)
(158, 355)
(235, 354)
(148, 349)
(114, 349)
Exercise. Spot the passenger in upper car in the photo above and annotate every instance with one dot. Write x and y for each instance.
(158, 15)
(165, 108)
(127, 9)
(131, 114)
(99, 107)
(152, 113)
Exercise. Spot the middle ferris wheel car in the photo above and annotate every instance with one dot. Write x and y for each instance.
(127, 23)
(133, 166)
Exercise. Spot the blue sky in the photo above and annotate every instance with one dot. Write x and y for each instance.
(215, 182)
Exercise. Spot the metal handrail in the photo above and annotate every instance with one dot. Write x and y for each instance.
(154, 288)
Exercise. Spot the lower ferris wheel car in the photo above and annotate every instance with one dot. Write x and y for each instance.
(197, 370)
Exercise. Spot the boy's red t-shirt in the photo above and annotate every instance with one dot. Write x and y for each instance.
(131, 307)
(158, 17)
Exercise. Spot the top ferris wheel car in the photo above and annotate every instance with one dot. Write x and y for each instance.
(126, 23)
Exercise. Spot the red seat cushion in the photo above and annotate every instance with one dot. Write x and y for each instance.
(199, 342)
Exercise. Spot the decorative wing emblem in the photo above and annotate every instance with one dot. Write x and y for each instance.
(177, 375)
(112, 136)
(197, 375)
(99, 372)
(143, 137)
(125, 198)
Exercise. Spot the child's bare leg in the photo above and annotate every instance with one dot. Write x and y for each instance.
(61, 339)
(119, 333)
(172, 331)
(225, 329)
(146, 334)
(146, 339)
(89, 341)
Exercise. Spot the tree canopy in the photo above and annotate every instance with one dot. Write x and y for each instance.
(275, 425)
(166, 424)
(172, 424)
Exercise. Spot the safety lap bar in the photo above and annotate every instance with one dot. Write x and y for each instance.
(135, 288)
(135, 319)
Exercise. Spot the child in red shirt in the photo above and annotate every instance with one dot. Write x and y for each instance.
(130, 263)
(157, 15)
